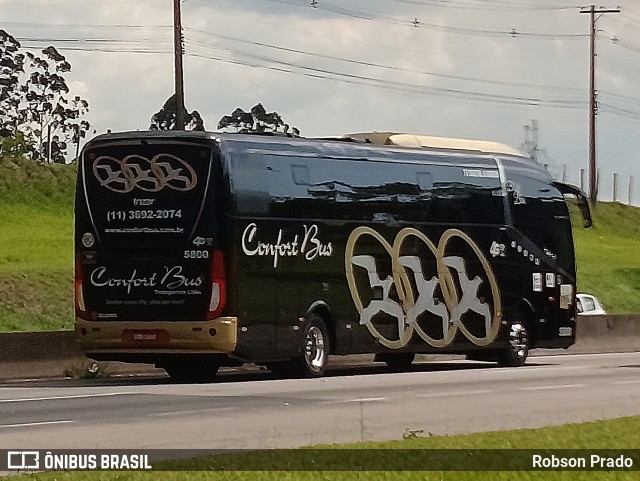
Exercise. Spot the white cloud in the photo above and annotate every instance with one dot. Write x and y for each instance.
(125, 89)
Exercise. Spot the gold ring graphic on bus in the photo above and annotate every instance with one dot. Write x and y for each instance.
(149, 175)
(412, 304)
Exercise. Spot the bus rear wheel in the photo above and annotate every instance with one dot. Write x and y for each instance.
(315, 347)
(517, 350)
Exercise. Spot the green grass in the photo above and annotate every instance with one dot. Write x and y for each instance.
(614, 435)
(42, 186)
(608, 257)
(36, 258)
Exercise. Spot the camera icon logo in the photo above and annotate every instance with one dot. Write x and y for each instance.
(23, 460)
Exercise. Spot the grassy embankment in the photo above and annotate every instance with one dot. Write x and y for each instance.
(612, 435)
(36, 260)
(608, 257)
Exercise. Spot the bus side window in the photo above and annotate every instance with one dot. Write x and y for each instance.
(287, 181)
(249, 186)
(300, 174)
(425, 180)
(458, 197)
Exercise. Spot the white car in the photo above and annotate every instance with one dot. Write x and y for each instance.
(589, 305)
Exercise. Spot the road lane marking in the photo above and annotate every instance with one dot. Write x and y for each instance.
(548, 388)
(365, 400)
(455, 393)
(633, 381)
(594, 354)
(526, 368)
(196, 411)
(42, 423)
(52, 398)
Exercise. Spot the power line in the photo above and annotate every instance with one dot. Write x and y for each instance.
(605, 107)
(466, 94)
(122, 46)
(620, 111)
(389, 85)
(611, 61)
(383, 66)
(624, 23)
(632, 11)
(419, 23)
(488, 6)
(67, 26)
(51, 40)
(262, 20)
(99, 49)
(332, 75)
(627, 46)
(72, 2)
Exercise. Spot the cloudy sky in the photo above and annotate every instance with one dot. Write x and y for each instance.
(479, 69)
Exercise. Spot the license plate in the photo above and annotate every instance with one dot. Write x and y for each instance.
(145, 336)
(565, 331)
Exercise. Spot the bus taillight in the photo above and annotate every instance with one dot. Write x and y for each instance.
(81, 310)
(218, 285)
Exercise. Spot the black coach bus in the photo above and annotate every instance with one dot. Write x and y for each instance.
(200, 250)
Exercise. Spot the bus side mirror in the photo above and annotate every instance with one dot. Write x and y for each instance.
(581, 200)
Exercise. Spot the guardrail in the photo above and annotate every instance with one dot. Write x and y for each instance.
(611, 333)
(36, 355)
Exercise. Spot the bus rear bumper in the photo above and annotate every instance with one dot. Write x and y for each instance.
(218, 336)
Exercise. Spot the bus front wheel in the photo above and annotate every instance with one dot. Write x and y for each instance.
(517, 350)
(315, 347)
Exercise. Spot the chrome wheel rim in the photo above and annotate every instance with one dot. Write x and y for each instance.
(314, 352)
(518, 340)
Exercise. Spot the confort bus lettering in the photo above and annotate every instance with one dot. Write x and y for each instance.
(307, 245)
(172, 278)
(413, 304)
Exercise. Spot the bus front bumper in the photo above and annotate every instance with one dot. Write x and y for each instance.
(218, 336)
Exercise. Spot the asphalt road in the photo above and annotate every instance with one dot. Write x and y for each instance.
(256, 410)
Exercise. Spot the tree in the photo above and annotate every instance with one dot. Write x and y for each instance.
(48, 106)
(165, 118)
(34, 97)
(256, 120)
(11, 66)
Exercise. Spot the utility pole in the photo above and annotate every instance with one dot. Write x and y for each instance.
(178, 48)
(593, 102)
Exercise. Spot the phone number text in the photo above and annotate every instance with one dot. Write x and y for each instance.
(122, 215)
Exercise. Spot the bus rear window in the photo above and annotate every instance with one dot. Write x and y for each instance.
(145, 192)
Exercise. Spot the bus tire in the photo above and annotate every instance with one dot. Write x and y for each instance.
(396, 361)
(315, 347)
(517, 350)
(191, 370)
